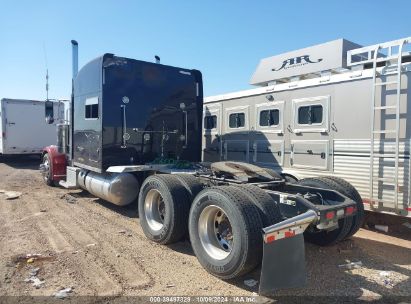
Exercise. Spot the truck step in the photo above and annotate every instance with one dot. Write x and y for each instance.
(68, 185)
(383, 83)
(385, 107)
(384, 131)
(386, 181)
(385, 155)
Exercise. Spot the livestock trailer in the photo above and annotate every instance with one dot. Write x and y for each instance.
(335, 109)
(23, 129)
(135, 135)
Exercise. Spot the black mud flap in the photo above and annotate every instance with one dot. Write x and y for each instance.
(283, 265)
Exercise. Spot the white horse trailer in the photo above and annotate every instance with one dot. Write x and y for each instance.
(23, 129)
(335, 108)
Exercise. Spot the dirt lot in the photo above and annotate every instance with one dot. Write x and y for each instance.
(99, 249)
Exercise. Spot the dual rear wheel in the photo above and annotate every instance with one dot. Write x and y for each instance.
(163, 205)
(224, 223)
(225, 231)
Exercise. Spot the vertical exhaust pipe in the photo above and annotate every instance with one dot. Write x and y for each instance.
(74, 49)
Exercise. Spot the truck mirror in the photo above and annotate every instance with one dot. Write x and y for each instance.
(49, 120)
(49, 111)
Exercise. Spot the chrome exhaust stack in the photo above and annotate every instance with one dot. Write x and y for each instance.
(284, 253)
(74, 51)
(74, 62)
(63, 138)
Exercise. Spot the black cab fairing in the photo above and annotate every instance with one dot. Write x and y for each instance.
(87, 139)
(145, 111)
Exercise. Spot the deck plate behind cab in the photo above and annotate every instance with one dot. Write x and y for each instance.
(242, 171)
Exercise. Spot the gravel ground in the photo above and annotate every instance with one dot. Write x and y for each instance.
(99, 249)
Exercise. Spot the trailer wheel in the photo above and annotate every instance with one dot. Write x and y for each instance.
(269, 210)
(348, 190)
(46, 172)
(326, 238)
(225, 232)
(163, 206)
(191, 183)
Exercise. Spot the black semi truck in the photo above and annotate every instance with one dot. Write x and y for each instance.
(135, 135)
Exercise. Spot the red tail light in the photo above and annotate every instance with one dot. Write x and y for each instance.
(289, 234)
(330, 215)
(349, 210)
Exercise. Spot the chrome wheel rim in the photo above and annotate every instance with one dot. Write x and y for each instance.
(46, 168)
(215, 232)
(154, 210)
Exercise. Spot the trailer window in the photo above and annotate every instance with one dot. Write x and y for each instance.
(269, 118)
(210, 122)
(91, 110)
(309, 115)
(236, 120)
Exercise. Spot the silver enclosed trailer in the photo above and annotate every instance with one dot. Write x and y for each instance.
(23, 129)
(332, 109)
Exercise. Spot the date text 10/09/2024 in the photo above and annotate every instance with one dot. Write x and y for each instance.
(200, 299)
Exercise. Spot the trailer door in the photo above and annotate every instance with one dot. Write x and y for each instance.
(212, 145)
(236, 144)
(309, 140)
(268, 134)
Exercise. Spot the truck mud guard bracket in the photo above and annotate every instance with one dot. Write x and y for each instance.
(283, 263)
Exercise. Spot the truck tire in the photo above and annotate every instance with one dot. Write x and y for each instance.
(274, 174)
(269, 210)
(47, 173)
(163, 206)
(348, 190)
(225, 232)
(191, 183)
(326, 238)
(289, 178)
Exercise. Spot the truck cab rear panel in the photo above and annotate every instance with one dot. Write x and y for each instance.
(130, 112)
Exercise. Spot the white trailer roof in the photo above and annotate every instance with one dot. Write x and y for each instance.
(315, 59)
(341, 60)
(326, 79)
